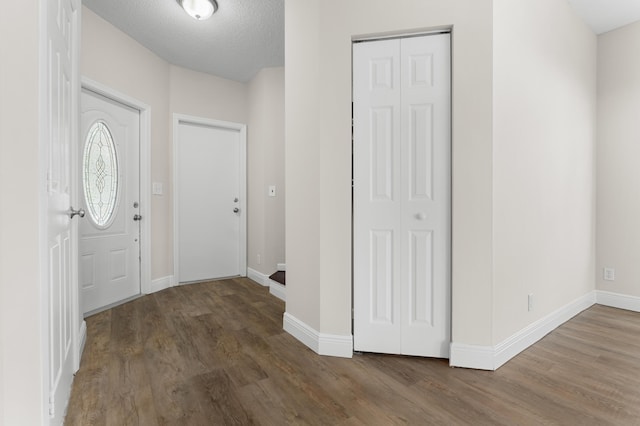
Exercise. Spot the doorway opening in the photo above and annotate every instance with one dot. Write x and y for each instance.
(114, 172)
(210, 230)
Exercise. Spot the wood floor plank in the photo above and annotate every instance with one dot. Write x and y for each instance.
(215, 353)
(218, 399)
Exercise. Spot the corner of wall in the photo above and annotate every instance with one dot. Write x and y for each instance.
(493, 357)
(320, 343)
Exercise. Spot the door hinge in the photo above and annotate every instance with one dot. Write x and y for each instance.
(52, 406)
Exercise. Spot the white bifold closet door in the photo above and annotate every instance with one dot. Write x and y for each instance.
(402, 195)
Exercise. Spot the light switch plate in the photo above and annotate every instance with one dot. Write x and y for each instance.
(157, 188)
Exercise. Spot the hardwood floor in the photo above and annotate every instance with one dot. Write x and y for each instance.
(215, 354)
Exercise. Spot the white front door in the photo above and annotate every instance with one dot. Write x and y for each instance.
(109, 252)
(209, 201)
(402, 195)
(61, 81)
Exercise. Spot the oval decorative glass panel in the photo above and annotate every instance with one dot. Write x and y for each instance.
(100, 174)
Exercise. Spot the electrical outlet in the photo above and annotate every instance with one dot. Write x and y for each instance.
(259, 259)
(608, 274)
(272, 191)
(530, 302)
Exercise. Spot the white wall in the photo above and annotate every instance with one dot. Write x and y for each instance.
(318, 153)
(21, 313)
(265, 168)
(618, 157)
(543, 158)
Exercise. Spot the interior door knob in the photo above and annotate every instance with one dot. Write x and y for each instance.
(236, 210)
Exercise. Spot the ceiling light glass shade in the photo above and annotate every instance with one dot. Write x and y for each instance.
(199, 9)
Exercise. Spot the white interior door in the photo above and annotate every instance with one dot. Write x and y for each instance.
(109, 234)
(210, 207)
(402, 195)
(61, 81)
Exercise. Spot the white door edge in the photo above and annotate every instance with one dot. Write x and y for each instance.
(242, 130)
(47, 402)
(145, 173)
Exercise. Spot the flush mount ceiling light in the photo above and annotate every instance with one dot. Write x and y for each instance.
(199, 9)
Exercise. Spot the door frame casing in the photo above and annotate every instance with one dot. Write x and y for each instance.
(241, 128)
(144, 172)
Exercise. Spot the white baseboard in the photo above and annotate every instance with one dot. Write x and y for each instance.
(617, 300)
(278, 290)
(320, 343)
(282, 267)
(258, 277)
(492, 357)
(82, 340)
(160, 284)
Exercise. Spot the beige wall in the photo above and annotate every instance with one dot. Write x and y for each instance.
(266, 167)
(205, 95)
(618, 156)
(543, 160)
(112, 58)
(302, 164)
(318, 153)
(21, 308)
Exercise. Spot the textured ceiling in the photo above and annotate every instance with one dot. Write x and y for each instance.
(241, 38)
(245, 36)
(607, 15)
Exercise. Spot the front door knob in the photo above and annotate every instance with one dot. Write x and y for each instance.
(137, 217)
(72, 212)
(236, 210)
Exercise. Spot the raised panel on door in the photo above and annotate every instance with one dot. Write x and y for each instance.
(420, 278)
(381, 282)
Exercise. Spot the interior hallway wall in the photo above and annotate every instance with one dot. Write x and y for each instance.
(318, 153)
(618, 156)
(112, 58)
(22, 307)
(543, 161)
(265, 168)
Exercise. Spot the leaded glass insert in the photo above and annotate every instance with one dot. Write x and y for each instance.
(100, 174)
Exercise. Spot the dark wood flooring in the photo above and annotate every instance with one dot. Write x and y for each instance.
(215, 354)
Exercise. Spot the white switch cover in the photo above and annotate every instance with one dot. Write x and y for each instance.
(272, 191)
(157, 188)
